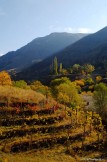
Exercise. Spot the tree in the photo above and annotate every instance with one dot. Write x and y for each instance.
(36, 85)
(88, 68)
(70, 70)
(100, 98)
(76, 68)
(80, 82)
(39, 87)
(88, 81)
(55, 66)
(60, 68)
(56, 82)
(20, 84)
(64, 71)
(51, 68)
(68, 94)
(5, 78)
(98, 78)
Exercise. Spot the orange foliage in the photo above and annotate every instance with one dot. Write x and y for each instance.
(98, 78)
(5, 78)
(79, 82)
(91, 87)
(33, 108)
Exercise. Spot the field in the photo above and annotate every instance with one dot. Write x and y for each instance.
(50, 133)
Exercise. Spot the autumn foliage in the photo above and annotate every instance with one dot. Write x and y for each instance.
(5, 78)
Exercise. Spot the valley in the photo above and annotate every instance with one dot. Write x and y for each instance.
(42, 123)
(55, 109)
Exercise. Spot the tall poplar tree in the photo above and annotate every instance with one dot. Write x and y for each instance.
(55, 64)
(60, 68)
(51, 68)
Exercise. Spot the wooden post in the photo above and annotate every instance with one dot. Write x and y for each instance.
(76, 116)
(90, 127)
(82, 141)
(92, 115)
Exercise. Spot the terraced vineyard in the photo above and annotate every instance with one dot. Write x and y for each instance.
(74, 134)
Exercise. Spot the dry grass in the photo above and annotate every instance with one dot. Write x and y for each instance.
(18, 94)
(53, 155)
(58, 152)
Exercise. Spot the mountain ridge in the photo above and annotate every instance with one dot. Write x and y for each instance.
(37, 50)
(86, 50)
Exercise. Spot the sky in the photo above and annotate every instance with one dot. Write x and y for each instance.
(21, 21)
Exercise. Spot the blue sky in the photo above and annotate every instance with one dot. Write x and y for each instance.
(23, 20)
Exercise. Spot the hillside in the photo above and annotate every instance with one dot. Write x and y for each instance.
(90, 49)
(37, 50)
(46, 134)
(57, 123)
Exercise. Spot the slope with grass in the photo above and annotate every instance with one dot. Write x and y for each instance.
(50, 133)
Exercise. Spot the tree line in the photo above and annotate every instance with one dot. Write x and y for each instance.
(62, 89)
(57, 68)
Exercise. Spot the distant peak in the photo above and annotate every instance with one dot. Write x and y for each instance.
(103, 29)
(56, 33)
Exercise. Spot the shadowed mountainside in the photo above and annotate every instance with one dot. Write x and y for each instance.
(37, 50)
(90, 49)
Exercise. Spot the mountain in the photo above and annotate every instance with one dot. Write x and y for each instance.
(37, 50)
(90, 49)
